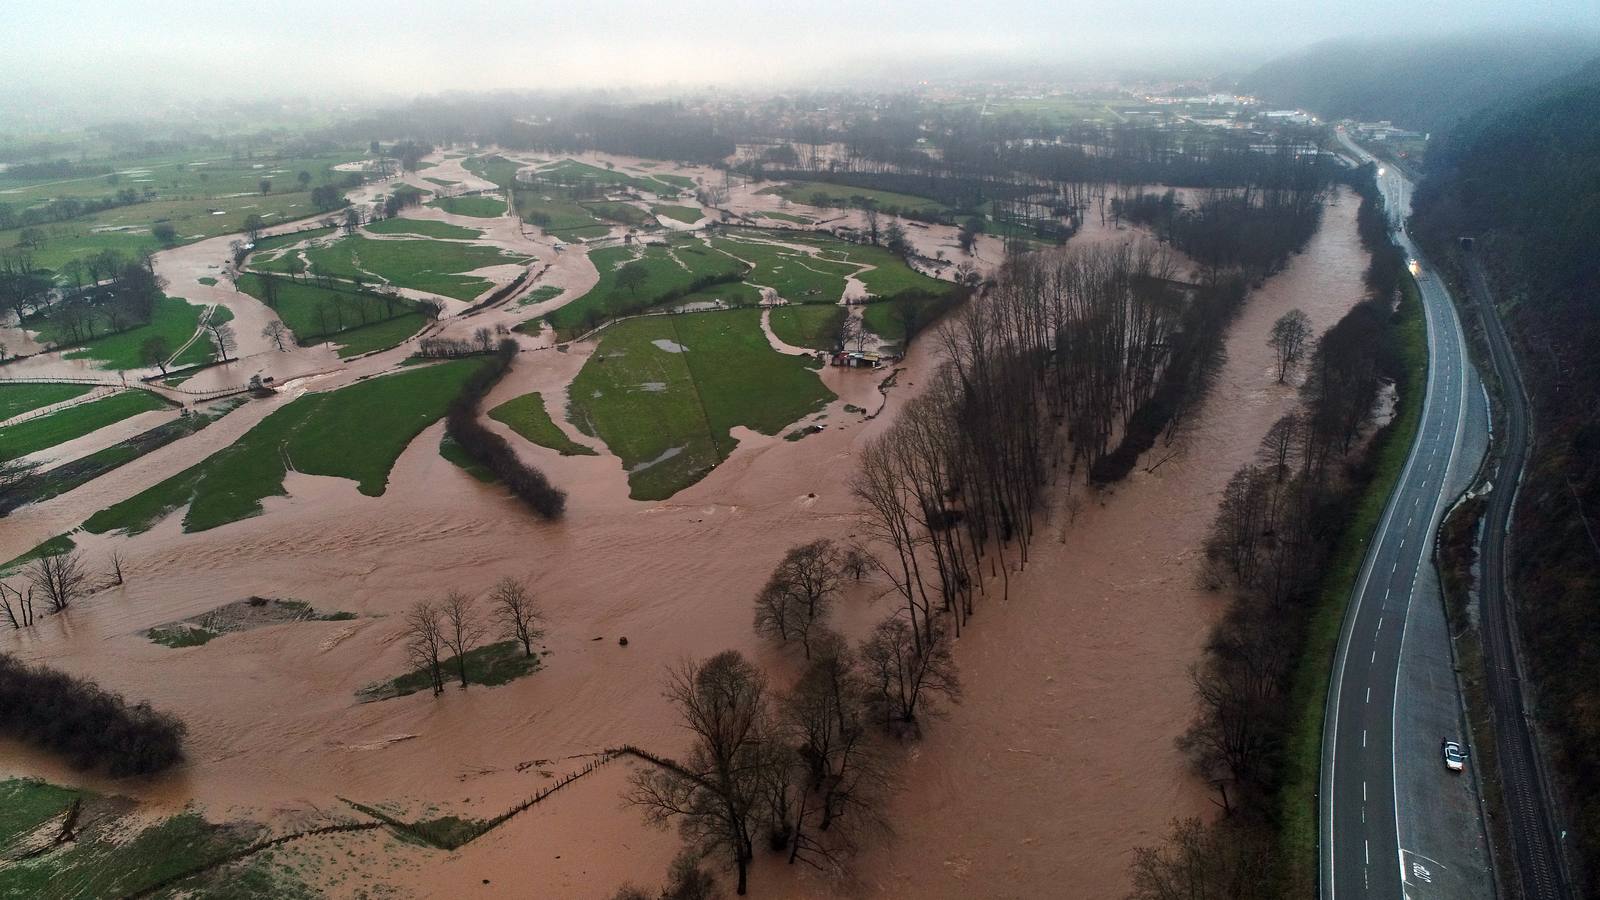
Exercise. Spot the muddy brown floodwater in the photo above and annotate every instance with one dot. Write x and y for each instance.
(1059, 760)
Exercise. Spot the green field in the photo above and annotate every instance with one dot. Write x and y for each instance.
(527, 416)
(810, 192)
(566, 219)
(173, 320)
(495, 168)
(814, 326)
(425, 228)
(625, 213)
(680, 182)
(480, 207)
(315, 313)
(432, 266)
(787, 217)
(356, 432)
(667, 414)
(669, 270)
(200, 195)
(379, 335)
(120, 852)
(889, 275)
(797, 276)
(74, 422)
(570, 171)
(16, 399)
(685, 214)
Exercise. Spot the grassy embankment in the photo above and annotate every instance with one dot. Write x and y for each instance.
(74, 422)
(356, 432)
(664, 392)
(527, 416)
(1297, 806)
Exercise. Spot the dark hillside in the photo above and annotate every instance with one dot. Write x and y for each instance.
(1524, 181)
(1424, 86)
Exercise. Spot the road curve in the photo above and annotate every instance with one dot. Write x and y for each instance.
(1393, 695)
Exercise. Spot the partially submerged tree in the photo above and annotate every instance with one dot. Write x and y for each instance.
(462, 631)
(275, 331)
(799, 595)
(1288, 340)
(59, 578)
(903, 677)
(424, 633)
(516, 613)
(718, 793)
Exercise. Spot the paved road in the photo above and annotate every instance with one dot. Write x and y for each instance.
(1393, 696)
(1540, 873)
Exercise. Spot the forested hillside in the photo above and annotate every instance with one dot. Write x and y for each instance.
(1425, 85)
(1524, 181)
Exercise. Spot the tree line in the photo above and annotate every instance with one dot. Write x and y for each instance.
(1279, 522)
(493, 451)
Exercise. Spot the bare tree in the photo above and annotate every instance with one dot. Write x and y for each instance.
(902, 676)
(841, 781)
(462, 629)
(1288, 339)
(222, 336)
(425, 644)
(800, 593)
(516, 613)
(13, 472)
(59, 578)
(1201, 861)
(484, 337)
(275, 331)
(19, 615)
(719, 792)
(116, 568)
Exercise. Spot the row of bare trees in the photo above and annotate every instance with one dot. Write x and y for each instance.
(1278, 523)
(441, 633)
(57, 580)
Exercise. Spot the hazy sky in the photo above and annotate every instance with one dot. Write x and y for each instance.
(421, 47)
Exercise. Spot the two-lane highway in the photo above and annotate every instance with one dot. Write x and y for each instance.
(1393, 697)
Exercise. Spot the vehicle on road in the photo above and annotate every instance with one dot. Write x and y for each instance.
(1454, 759)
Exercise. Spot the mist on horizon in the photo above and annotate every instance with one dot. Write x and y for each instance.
(87, 54)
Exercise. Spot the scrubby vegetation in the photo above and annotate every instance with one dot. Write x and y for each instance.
(89, 727)
(491, 450)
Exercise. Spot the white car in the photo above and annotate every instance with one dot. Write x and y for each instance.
(1454, 759)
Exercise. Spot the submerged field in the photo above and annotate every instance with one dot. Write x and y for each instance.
(74, 422)
(663, 393)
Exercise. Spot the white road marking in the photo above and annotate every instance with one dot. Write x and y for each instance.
(1369, 695)
(1363, 737)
